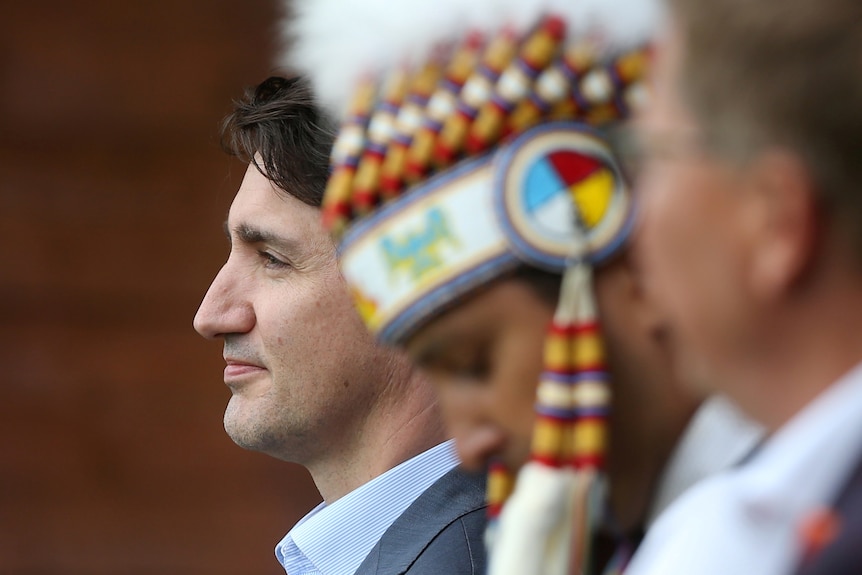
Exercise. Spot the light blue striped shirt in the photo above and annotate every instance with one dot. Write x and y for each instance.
(335, 539)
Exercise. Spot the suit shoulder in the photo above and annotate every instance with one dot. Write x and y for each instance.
(458, 549)
(441, 533)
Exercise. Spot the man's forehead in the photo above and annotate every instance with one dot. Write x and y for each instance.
(259, 204)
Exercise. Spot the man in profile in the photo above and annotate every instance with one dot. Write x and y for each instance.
(751, 247)
(308, 383)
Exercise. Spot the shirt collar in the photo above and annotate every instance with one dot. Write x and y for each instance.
(718, 437)
(336, 538)
(817, 448)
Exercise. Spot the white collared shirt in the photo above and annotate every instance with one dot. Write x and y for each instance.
(718, 437)
(747, 519)
(335, 539)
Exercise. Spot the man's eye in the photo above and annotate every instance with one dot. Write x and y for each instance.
(271, 261)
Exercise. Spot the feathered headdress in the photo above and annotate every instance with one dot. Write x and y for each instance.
(471, 144)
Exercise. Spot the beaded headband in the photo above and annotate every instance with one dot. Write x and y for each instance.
(481, 219)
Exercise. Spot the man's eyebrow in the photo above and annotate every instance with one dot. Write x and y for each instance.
(252, 235)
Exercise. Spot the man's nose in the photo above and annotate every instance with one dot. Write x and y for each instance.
(226, 307)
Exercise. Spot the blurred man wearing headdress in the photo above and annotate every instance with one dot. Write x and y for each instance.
(751, 248)
(473, 185)
(308, 383)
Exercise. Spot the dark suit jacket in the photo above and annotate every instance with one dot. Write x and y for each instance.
(441, 533)
(843, 556)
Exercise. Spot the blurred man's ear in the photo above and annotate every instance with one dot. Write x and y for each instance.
(781, 222)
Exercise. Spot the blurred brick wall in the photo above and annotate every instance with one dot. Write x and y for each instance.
(112, 194)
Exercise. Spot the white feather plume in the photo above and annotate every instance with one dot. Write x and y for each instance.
(336, 42)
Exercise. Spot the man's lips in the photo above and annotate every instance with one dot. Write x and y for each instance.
(237, 368)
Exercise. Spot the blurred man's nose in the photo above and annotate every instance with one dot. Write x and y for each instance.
(472, 418)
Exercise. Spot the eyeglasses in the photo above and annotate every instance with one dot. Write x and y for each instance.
(638, 148)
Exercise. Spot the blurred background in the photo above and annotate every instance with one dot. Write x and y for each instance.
(113, 191)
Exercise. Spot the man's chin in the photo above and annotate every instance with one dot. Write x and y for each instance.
(244, 431)
(251, 429)
(689, 369)
(240, 435)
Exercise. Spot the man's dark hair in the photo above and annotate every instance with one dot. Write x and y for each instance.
(279, 127)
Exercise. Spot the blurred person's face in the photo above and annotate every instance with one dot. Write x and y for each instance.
(486, 355)
(649, 409)
(301, 367)
(691, 241)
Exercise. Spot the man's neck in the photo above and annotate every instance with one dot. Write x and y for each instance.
(810, 347)
(395, 432)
